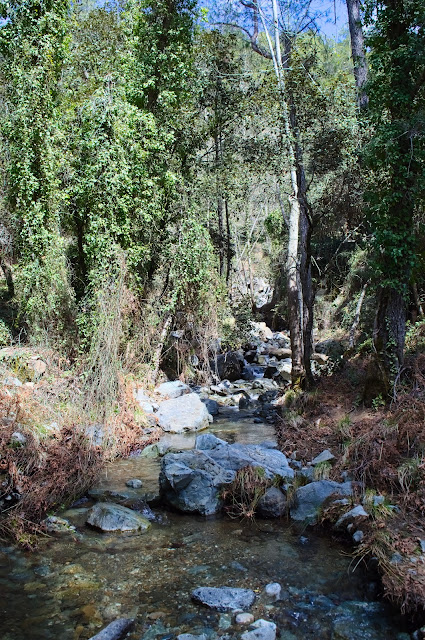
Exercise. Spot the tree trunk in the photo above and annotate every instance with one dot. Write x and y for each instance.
(217, 143)
(7, 271)
(358, 51)
(228, 242)
(389, 333)
(357, 316)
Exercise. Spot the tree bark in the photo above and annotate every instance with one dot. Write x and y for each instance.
(389, 333)
(357, 316)
(7, 271)
(358, 51)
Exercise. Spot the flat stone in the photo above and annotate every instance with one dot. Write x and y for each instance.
(325, 456)
(114, 517)
(310, 498)
(224, 598)
(173, 389)
(244, 618)
(115, 630)
(354, 514)
(261, 630)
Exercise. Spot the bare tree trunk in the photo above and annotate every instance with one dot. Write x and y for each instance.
(156, 360)
(357, 316)
(358, 50)
(228, 242)
(219, 203)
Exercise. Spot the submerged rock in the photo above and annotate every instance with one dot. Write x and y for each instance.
(114, 517)
(260, 630)
(309, 499)
(115, 630)
(224, 598)
(186, 413)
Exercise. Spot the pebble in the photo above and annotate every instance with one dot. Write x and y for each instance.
(273, 590)
(134, 483)
(358, 536)
(244, 618)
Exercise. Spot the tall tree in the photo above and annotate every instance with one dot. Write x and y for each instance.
(358, 50)
(396, 154)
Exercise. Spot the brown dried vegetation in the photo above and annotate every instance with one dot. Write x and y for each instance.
(382, 448)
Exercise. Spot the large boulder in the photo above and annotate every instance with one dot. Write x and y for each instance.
(310, 498)
(228, 366)
(186, 413)
(192, 481)
(173, 389)
(224, 598)
(114, 517)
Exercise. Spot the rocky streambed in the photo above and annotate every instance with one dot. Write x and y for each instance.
(82, 579)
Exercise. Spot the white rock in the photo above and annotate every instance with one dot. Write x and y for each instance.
(273, 589)
(261, 630)
(244, 618)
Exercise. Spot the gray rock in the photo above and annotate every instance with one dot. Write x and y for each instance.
(309, 499)
(190, 636)
(228, 366)
(273, 589)
(134, 483)
(325, 456)
(192, 481)
(208, 441)
(272, 504)
(212, 406)
(17, 439)
(173, 389)
(260, 630)
(244, 618)
(144, 402)
(354, 514)
(96, 434)
(115, 630)
(114, 517)
(54, 524)
(358, 536)
(12, 382)
(224, 598)
(186, 413)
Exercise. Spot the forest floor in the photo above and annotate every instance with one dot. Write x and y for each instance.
(381, 449)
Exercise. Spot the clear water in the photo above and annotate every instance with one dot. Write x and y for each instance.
(78, 583)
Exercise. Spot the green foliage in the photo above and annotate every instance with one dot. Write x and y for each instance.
(5, 335)
(396, 152)
(33, 44)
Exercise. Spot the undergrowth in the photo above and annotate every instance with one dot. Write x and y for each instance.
(242, 496)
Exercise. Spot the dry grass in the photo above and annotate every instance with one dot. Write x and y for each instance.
(56, 465)
(242, 496)
(381, 448)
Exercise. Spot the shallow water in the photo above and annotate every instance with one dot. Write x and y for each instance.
(78, 583)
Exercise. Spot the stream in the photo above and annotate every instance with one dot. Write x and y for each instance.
(79, 582)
